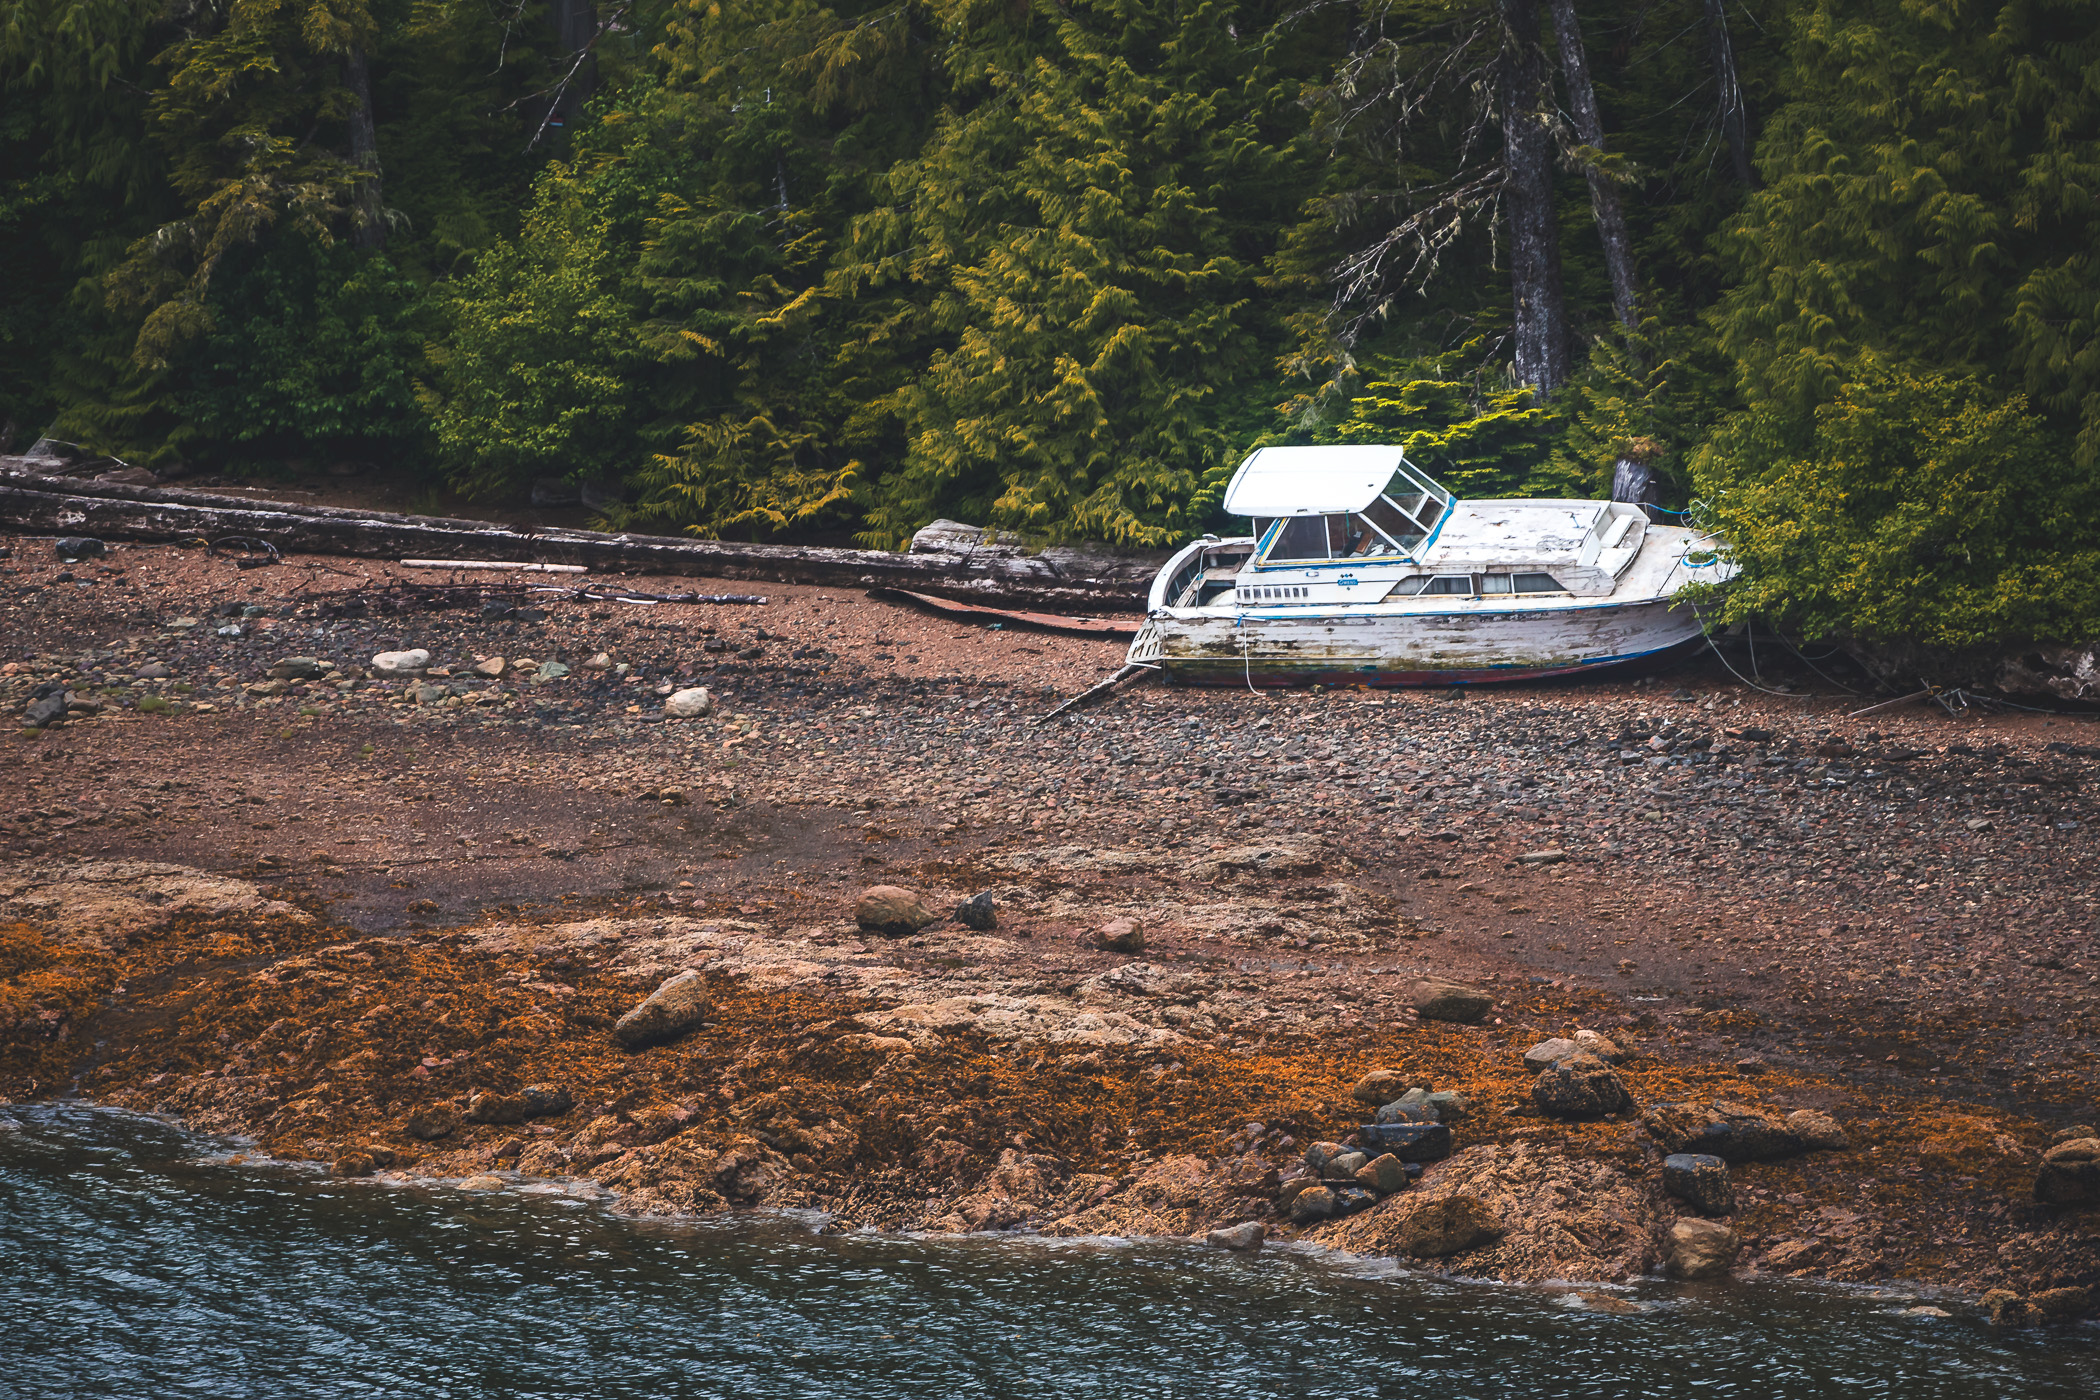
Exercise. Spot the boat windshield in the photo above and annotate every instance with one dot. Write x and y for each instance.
(1396, 524)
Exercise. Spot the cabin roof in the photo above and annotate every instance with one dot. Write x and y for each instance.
(1541, 532)
(1311, 480)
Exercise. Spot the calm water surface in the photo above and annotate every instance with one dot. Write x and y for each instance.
(136, 1261)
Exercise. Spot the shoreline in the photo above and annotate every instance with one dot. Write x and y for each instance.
(319, 904)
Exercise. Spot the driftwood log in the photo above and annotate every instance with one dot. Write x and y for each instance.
(947, 564)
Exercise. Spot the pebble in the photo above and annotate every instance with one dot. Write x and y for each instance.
(550, 671)
(492, 667)
(1384, 1174)
(388, 665)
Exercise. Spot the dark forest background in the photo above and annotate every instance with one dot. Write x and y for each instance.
(1830, 267)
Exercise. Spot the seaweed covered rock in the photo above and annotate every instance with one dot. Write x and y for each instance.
(668, 1012)
(2070, 1173)
(1731, 1131)
(1580, 1086)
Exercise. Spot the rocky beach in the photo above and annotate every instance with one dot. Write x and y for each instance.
(414, 874)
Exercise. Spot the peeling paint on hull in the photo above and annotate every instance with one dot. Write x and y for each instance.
(1399, 648)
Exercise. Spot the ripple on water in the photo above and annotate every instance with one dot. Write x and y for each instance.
(138, 1261)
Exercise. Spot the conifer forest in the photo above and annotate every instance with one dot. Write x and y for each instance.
(790, 269)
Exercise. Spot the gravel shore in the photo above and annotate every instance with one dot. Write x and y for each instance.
(1890, 918)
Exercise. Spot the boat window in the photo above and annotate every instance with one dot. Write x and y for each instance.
(1273, 593)
(1302, 537)
(1494, 583)
(1538, 583)
(1452, 584)
(1409, 587)
(1370, 540)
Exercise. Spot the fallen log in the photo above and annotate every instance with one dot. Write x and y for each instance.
(1077, 580)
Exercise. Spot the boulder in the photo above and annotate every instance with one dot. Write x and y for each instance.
(1437, 1000)
(534, 1101)
(1120, 936)
(45, 710)
(354, 1164)
(1380, 1086)
(1700, 1180)
(694, 702)
(482, 1182)
(1246, 1235)
(1447, 1225)
(2070, 1173)
(1449, 1105)
(892, 911)
(1580, 1086)
(1601, 1046)
(667, 1013)
(1410, 1142)
(432, 1122)
(392, 664)
(979, 913)
(1315, 1203)
(1348, 1200)
(1401, 1111)
(1731, 1131)
(1384, 1174)
(1701, 1249)
(1548, 1052)
(1817, 1131)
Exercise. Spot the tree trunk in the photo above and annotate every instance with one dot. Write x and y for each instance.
(575, 27)
(1735, 116)
(368, 217)
(1541, 358)
(1085, 580)
(1604, 191)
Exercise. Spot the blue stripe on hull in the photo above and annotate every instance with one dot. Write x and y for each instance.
(1271, 676)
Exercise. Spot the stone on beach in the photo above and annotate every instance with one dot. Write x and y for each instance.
(1435, 999)
(1580, 1086)
(1700, 1180)
(667, 1013)
(1384, 1174)
(392, 664)
(2070, 1173)
(1817, 1130)
(694, 702)
(534, 1101)
(1380, 1086)
(892, 911)
(1246, 1235)
(1549, 1052)
(978, 913)
(1316, 1203)
(433, 1121)
(1120, 936)
(1701, 1248)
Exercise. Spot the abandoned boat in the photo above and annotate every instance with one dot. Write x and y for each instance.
(1363, 571)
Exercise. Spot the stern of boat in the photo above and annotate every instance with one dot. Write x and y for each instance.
(1148, 645)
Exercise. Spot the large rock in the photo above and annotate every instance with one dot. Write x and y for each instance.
(980, 913)
(1410, 1142)
(1443, 1226)
(1601, 1046)
(1437, 1000)
(1731, 1131)
(432, 1122)
(1380, 1086)
(533, 1101)
(1701, 1248)
(1700, 1180)
(892, 911)
(1315, 1203)
(1120, 936)
(1549, 1052)
(669, 1012)
(693, 702)
(2070, 1173)
(1246, 1235)
(1384, 1174)
(1580, 1086)
(1817, 1130)
(390, 664)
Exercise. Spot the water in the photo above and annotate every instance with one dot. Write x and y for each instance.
(136, 1261)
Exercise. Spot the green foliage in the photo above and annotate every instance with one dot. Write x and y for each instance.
(1913, 507)
(1478, 437)
(313, 348)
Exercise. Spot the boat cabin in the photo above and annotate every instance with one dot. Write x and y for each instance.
(1360, 524)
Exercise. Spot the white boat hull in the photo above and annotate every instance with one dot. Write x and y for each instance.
(1381, 647)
